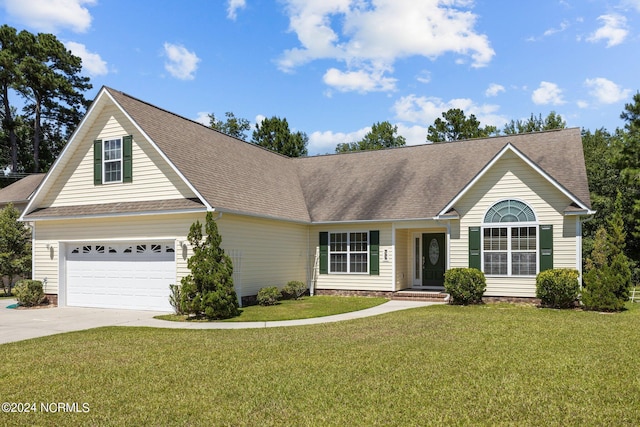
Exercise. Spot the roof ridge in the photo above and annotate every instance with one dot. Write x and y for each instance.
(191, 120)
(457, 141)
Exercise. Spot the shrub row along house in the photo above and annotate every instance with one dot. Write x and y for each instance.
(111, 217)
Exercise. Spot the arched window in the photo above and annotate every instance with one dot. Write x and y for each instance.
(509, 240)
(510, 211)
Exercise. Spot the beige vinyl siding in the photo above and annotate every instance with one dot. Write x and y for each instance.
(153, 178)
(134, 228)
(272, 252)
(512, 178)
(359, 281)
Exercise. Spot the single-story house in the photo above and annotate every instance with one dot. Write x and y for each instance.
(19, 193)
(112, 216)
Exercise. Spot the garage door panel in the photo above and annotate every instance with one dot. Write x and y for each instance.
(126, 275)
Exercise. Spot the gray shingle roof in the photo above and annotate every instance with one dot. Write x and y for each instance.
(403, 183)
(229, 173)
(20, 190)
(419, 181)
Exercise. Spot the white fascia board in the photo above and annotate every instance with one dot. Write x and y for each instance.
(116, 215)
(510, 148)
(162, 154)
(74, 140)
(53, 171)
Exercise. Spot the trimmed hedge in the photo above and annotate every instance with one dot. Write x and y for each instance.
(294, 289)
(29, 293)
(465, 285)
(269, 295)
(558, 288)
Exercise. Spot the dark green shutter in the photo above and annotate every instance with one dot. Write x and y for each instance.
(97, 162)
(546, 247)
(324, 252)
(474, 248)
(127, 159)
(374, 253)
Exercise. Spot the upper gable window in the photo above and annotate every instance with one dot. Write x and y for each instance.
(112, 160)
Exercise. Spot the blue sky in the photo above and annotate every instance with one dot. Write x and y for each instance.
(335, 67)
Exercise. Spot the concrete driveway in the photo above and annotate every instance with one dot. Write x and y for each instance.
(18, 325)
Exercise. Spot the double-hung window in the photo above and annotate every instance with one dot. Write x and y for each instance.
(349, 252)
(112, 156)
(510, 240)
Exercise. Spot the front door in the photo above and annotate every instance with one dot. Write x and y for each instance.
(433, 259)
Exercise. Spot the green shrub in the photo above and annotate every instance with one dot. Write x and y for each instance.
(174, 298)
(607, 287)
(608, 273)
(269, 295)
(208, 291)
(294, 289)
(558, 288)
(29, 292)
(465, 285)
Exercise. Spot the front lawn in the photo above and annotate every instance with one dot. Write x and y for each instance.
(305, 308)
(438, 365)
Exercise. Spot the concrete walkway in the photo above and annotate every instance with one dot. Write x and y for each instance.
(18, 325)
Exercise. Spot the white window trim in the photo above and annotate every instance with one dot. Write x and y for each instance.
(105, 161)
(509, 226)
(348, 252)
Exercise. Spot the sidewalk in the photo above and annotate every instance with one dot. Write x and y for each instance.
(18, 325)
(387, 307)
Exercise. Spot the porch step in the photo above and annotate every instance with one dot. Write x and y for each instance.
(418, 295)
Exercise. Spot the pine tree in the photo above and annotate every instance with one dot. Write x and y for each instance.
(208, 291)
(608, 270)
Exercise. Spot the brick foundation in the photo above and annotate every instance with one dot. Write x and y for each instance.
(52, 298)
(343, 293)
(513, 300)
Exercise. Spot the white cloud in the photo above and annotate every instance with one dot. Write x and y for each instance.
(547, 93)
(606, 91)
(359, 81)
(233, 6)
(203, 117)
(494, 89)
(634, 4)
(181, 64)
(323, 142)
(92, 63)
(563, 26)
(582, 104)
(51, 15)
(425, 110)
(424, 77)
(614, 30)
(372, 36)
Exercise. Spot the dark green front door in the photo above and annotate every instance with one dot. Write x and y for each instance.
(434, 257)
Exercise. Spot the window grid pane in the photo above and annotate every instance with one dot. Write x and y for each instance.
(113, 160)
(339, 263)
(495, 263)
(523, 263)
(348, 252)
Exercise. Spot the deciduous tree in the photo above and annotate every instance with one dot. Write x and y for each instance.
(382, 135)
(535, 124)
(232, 126)
(15, 247)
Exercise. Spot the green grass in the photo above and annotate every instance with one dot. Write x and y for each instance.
(305, 308)
(438, 365)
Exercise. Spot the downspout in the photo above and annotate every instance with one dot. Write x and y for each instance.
(310, 266)
(579, 222)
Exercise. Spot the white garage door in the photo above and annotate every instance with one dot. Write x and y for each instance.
(120, 275)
